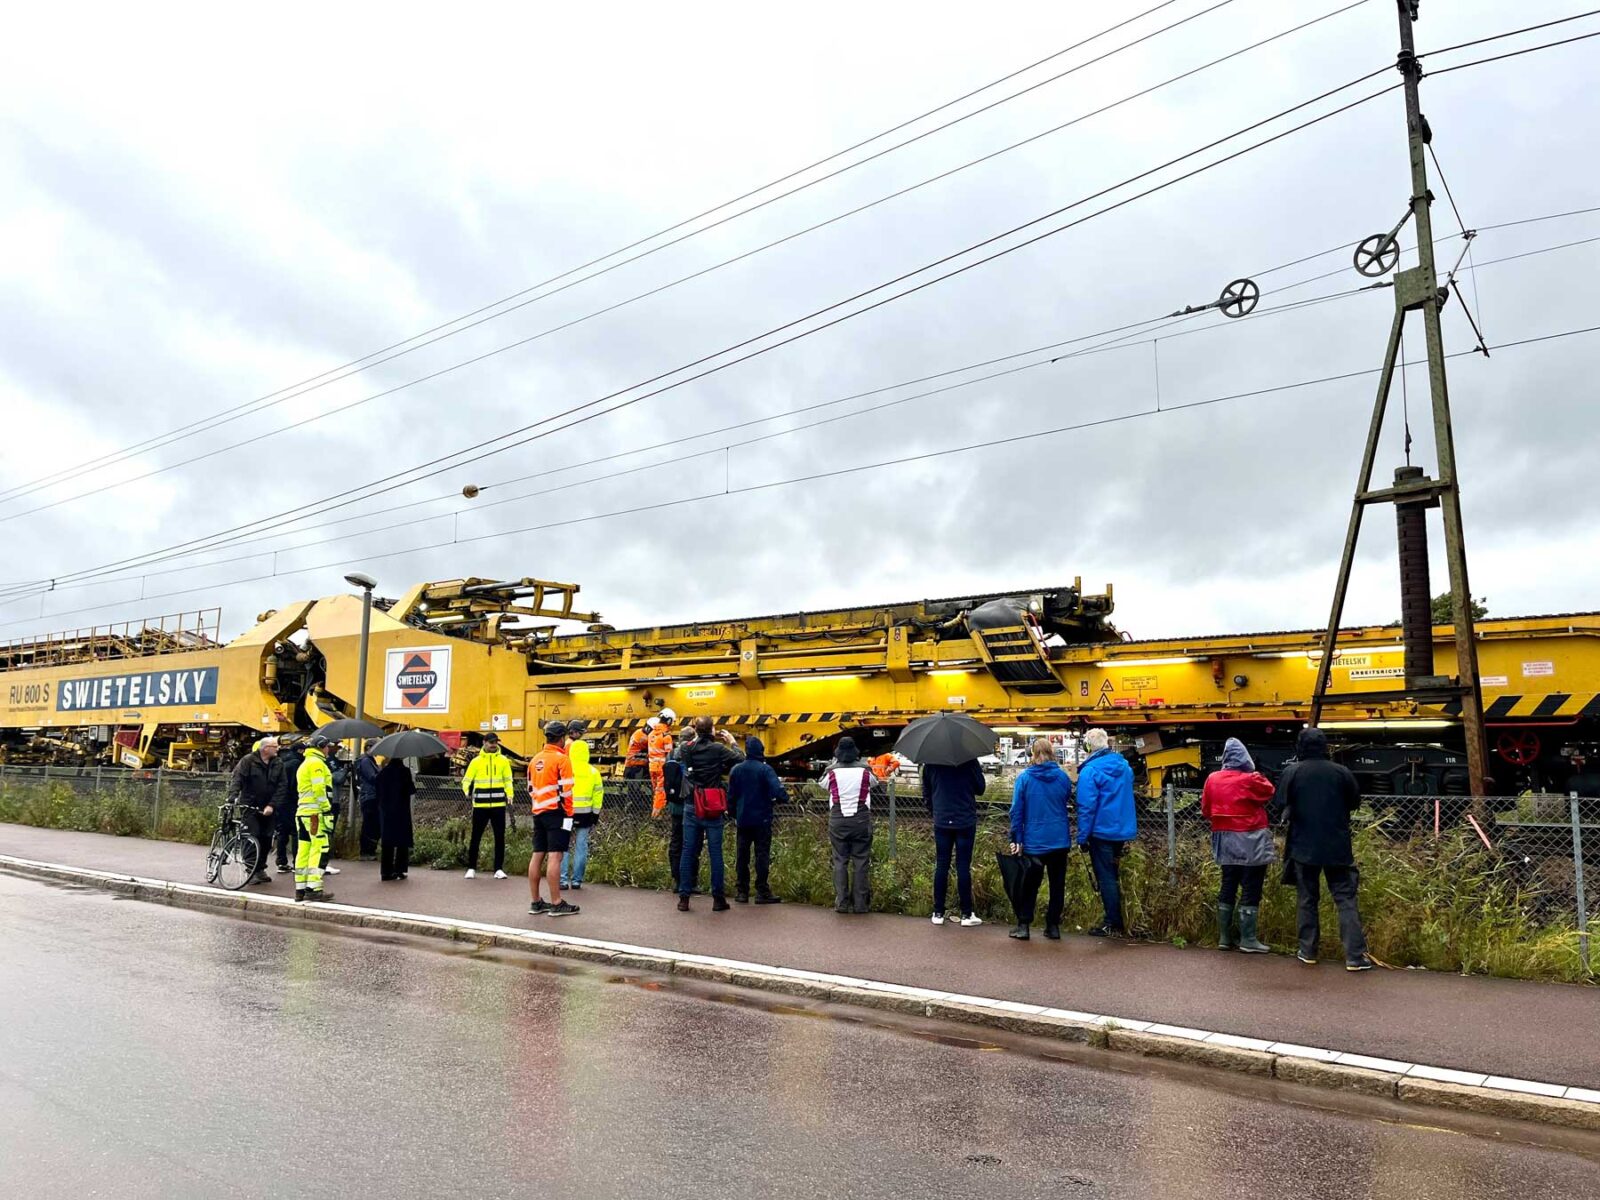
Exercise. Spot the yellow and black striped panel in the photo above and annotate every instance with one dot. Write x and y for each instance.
(1542, 706)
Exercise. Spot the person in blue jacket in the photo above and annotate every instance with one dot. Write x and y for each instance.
(753, 788)
(952, 793)
(1039, 828)
(1106, 822)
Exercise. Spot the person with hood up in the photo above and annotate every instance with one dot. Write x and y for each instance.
(283, 811)
(848, 784)
(367, 795)
(1235, 801)
(1107, 822)
(952, 794)
(1319, 797)
(753, 788)
(1039, 827)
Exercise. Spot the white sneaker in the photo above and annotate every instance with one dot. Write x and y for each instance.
(501, 875)
(971, 919)
(330, 870)
(938, 918)
(471, 874)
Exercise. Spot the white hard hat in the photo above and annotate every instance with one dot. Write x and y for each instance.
(652, 722)
(668, 715)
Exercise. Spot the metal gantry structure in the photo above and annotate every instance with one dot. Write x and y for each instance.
(1416, 289)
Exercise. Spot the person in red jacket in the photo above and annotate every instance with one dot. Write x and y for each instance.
(1235, 802)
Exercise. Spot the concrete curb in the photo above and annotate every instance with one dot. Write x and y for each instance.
(1517, 1099)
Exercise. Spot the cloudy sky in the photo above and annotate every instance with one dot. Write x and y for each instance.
(199, 210)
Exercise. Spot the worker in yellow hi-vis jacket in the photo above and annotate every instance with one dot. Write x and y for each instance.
(488, 785)
(313, 817)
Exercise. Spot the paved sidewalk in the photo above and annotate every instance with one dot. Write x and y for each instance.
(1496, 1026)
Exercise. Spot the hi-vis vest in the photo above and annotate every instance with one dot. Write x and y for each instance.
(488, 780)
(550, 781)
(314, 786)
(588, 790)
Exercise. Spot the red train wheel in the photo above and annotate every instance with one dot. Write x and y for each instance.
(1519, 749)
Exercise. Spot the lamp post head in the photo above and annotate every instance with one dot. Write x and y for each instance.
(365, 582)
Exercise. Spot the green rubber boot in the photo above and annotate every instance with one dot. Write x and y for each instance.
(1225, 927)
(1248, 941)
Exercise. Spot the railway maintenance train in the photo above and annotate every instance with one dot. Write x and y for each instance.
(467, 656)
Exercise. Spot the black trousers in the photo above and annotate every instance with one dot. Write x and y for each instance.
(395, 861)
(1342, 882)
(495, 819)
(675, 846)
(1055, 870)
(1245, 879)
(260, 828)
(759, 839)
(369, 826)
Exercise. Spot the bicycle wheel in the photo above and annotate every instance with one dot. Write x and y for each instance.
(238, 862)
(214, 857)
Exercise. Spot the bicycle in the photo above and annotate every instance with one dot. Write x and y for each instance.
(231, 860)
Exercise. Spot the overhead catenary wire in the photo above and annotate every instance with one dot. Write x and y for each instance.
(644, 295)
(470, 321)
(1133, 333)
(1494, 58)
(300, 509)
(1111, 343)
(1511, 33)
(808, 478)
(482, 450)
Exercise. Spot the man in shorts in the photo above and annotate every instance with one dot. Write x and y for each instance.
(550, 781)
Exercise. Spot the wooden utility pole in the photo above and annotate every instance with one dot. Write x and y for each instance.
(1417, 289)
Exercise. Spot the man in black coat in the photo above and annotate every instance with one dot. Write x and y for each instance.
(289, 760)
(1319, 797)
(258, 782)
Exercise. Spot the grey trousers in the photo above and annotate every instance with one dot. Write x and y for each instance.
(852, 859)
(1342, 883)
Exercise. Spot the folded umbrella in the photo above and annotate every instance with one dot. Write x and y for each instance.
(945, 739)
(410, 743)
(1020, 874)
(346, 728)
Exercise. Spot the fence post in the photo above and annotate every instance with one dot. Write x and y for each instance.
(892, 849)
(1172, 833)
(155, 815)
(1577, 875)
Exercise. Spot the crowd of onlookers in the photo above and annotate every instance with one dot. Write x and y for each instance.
(702, 780)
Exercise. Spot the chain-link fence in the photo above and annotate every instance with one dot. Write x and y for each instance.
(1519, 872)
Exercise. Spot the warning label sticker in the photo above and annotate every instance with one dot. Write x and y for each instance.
(1494, 681)
(1378, 673)
(1530, 669)
(1139, 683)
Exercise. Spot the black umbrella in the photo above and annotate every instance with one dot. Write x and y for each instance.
(1021, 875)
(945, 739)
(346, 728)
(410, 743)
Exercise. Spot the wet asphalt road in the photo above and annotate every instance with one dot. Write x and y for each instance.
(147, 1051)
(1499, 1026)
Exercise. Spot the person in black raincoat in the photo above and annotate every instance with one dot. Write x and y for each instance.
(395, 789)
(1319, 797)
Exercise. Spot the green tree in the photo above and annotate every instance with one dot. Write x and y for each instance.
(1441, 609)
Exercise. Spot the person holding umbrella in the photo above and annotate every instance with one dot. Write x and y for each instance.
(1107, 822)
(948, 746)
(1039, 828)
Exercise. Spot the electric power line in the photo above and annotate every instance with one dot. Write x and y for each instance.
(812, 477)
(1111, 343)
(393, 351)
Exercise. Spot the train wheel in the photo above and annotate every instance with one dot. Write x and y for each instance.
(1520, 748)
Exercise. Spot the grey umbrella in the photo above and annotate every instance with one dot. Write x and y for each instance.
(346, 728)
(410, 743)
(945, 739)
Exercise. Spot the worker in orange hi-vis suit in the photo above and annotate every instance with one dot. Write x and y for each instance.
(885, 765)
(660, 749)
(637, 764)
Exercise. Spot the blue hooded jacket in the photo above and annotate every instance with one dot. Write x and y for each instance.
(1105, 798)
(753, 786)
(1039, 809)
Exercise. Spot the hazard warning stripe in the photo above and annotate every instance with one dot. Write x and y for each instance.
(1543, 707)
(1551, 704)
(1501, 707)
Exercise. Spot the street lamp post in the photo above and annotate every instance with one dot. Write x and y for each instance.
(366, 583)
